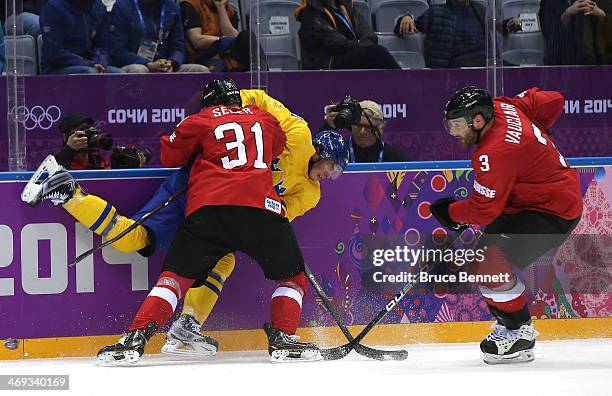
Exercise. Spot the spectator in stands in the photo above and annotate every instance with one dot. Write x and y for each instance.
(213, 39)
(334, 35)
(454, 33)
(27, 22)
(569, 31)
(147, 36)
(603, 32)
(75, 37)
(366, 143)
(2, 56)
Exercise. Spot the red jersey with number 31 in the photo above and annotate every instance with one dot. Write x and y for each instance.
(234, 149)
(517, 166)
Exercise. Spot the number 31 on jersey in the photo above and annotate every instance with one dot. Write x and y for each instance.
(239, 145)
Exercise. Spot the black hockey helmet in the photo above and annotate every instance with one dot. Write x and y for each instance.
(220, 92)
(467, 103)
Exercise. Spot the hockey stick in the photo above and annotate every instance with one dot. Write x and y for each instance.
(343, 350)
(360, 349)
(130, 228)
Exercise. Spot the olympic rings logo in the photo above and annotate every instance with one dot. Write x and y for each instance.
(37, 116)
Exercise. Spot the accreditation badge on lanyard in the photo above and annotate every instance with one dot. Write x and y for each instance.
(148, 48)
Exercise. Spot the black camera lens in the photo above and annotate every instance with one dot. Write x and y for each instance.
(97, 140)
(343, 118)
(105, 141)
(349, 113)
(129, 157)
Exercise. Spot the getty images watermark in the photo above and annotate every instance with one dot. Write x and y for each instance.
(411, 257)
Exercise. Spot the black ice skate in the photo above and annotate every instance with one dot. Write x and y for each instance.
(184, 338)
(286, 348)
(129, 348)
(509, 346)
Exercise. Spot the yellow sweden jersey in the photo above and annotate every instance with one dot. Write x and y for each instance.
(298, 192)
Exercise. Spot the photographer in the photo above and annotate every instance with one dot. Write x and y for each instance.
(83, 142)
(366, 122)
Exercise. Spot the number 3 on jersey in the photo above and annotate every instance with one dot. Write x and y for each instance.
(239, 145)
(484, 162)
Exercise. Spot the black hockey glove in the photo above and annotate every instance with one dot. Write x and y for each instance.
(439, 209)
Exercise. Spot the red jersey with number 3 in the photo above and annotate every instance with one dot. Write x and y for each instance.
(233, 150)
(517, 166)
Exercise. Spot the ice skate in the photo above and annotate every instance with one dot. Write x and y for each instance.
(58, 188)
(504, 346)
(129, 348)
(184, 338)
(286, 348)
(49, 181)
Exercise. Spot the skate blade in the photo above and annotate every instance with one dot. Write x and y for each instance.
(32, 190)
(178, 348)
(126, 358)
(525, 356)
(286, 356)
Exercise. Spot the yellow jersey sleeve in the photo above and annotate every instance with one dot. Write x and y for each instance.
(302, 202)
(302, 193)
(299, 138)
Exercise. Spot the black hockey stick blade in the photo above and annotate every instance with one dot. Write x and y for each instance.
(343, 350)
(123, 233)
(336, 353)
(329, 354)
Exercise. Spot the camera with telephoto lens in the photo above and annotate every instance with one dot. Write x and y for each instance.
(129, 157)
(349, 113)
(97, 140)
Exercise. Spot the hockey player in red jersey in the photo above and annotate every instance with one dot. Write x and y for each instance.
(231, 205)
(525, 194)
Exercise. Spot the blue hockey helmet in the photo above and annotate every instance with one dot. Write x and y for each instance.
(330, 144)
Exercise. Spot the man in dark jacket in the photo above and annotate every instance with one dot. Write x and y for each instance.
(603, 31)
(454, 33)
(569, 30)
(147, 36)
(334, 35)
(74, 153)
(366, 143)
(75, 37)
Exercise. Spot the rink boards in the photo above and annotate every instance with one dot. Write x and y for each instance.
(58, 311)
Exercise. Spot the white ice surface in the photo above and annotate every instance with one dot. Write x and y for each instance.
(561, 368)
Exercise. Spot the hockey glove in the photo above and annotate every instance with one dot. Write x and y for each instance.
(439, 209)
